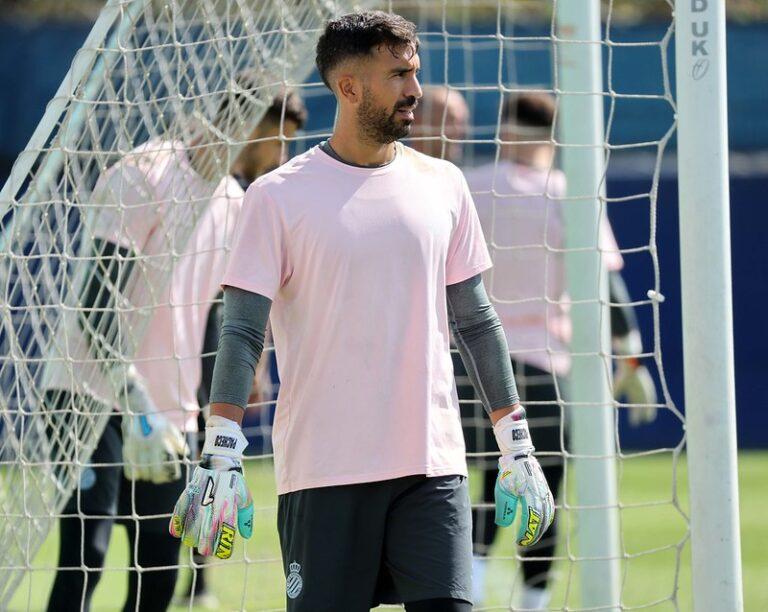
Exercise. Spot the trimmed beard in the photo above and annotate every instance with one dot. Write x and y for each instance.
(379, 126)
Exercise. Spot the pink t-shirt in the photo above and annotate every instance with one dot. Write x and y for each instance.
(153, 202)
(169, 358)
(356, 261)
(520, 209)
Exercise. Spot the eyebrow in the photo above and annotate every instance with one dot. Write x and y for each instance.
(404, 69)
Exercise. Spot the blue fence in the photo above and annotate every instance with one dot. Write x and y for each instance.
(749, 216)
(33, 60)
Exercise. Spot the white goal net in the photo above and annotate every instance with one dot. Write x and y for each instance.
(154, 72)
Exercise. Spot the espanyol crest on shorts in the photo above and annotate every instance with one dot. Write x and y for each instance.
(293, 582)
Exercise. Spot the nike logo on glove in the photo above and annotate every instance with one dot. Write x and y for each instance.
(208, 494)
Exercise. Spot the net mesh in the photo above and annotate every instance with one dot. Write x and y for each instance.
(160, 72)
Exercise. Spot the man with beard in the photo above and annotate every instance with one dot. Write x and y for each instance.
(363, 250)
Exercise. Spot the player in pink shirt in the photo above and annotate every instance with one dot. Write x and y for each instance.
(205, 268)
(519, 199)
(183, 266)
(365, 253)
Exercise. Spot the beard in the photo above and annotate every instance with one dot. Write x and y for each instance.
(381, 125)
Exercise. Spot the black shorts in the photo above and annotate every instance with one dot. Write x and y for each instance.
(353, 547)
(103, 490)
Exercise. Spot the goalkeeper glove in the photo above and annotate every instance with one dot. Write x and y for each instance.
(521, 480)
(153, 447)
(216, 503)
(633, 380)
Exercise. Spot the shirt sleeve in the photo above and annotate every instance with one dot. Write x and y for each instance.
(259, 260)
(125, 212)
(467, 252)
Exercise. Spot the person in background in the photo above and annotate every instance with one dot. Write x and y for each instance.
(441, 123)
(266, 150)
(197, 214)
(519, 205)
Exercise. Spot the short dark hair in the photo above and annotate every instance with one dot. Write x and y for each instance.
(536, 110)
(242, 94)
(289, 106)
(356, 34)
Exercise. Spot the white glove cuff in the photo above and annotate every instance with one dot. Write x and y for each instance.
(224, 438)
(512, 435)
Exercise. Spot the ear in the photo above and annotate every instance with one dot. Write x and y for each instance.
(349, 88)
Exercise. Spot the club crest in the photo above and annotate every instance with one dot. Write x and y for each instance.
(293, 582)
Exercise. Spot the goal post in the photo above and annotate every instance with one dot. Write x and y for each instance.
(592, 455)
(705, 264)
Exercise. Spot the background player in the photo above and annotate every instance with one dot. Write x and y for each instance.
(361, 280)
(519, 206)
(266, 152)
(167, 367)
(442, 112)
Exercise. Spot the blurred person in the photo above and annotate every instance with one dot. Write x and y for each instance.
(363, 252)
(159, 399)
(265, 151)
(442, 112)
(519, 203)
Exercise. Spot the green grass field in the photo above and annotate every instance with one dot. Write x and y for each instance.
(253, 579)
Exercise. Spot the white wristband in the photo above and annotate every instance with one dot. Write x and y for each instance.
(224, 438)
(513, 436)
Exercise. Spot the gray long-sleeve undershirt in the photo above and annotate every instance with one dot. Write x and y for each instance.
(482, 344)
(240, 345)
(476, 327)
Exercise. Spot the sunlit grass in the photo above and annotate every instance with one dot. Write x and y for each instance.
(253, 579)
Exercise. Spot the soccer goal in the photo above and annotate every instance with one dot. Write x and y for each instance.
(654, 527)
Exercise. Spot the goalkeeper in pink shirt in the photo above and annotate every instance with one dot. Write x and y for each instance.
(364, 254)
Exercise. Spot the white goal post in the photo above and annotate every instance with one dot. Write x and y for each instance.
(154, 69)
(705, 263)
(579, 86)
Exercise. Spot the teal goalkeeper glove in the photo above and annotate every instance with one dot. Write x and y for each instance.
(521, 481)
(216, 503)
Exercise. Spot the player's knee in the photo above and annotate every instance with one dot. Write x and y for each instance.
(439, 605)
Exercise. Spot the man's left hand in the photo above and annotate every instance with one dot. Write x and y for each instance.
(521, 481)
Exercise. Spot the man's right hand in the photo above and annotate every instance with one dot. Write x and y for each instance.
(216, 503)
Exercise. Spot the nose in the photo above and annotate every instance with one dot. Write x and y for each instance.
(414, 88)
